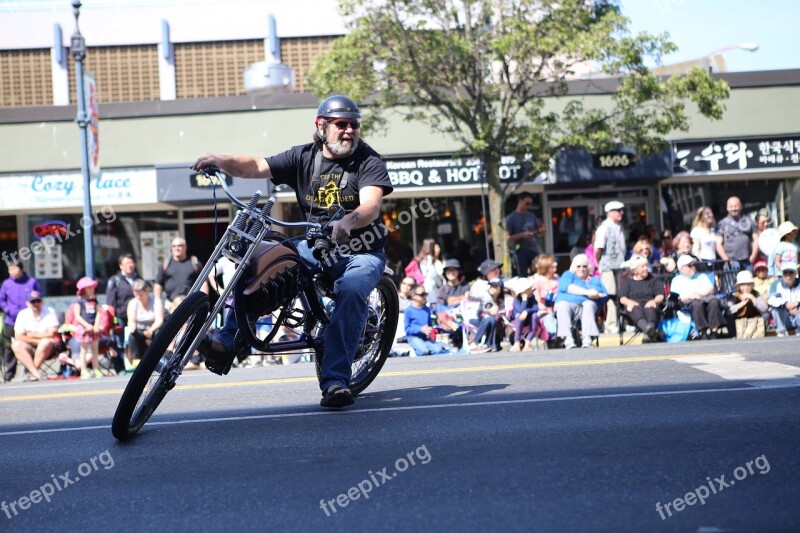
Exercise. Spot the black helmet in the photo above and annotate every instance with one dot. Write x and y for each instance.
(338, 107)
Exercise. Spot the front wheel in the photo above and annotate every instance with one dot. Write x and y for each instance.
(377, 339)
(160, 366)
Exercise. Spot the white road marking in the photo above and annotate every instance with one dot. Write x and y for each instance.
(357, 411)
(761, 374)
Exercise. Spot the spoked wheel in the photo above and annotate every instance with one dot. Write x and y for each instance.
(376, 342)
(160, 366)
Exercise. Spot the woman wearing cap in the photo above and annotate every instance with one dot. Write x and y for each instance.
(697, 292)
(748, 307)
(641, 296)
(579, 292)
(87, 319)
(786, 250)
(704, 234)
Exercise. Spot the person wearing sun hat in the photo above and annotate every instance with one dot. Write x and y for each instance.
(786, 250)
(748, 307)
(87, 321)
(784, 297)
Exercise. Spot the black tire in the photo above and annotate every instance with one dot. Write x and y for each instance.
(147, 386)
(377, 340)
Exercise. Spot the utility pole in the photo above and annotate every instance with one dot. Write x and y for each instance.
(78, 50)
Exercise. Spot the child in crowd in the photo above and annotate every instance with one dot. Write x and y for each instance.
(762, 280)
(490, 307)
(525, 313)
(420, 334)
(88, 321)
(786, 250)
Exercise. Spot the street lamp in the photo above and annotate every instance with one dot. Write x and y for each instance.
(78, 50)
(748, 46)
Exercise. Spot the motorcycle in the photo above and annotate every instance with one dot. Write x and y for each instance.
(270, 280)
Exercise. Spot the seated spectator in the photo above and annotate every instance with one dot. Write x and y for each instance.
(450, 295)
(783, 299)
(404, 292)
(579, 292)
(490, 307)
(641, 296)
(33, 335)
(524, 313)
(419, 332)
(545, 290)
(643, 248)
(145, 316)
(748, 307)
(762, 281)
(682, 244)
(89, 327)
(696, 292)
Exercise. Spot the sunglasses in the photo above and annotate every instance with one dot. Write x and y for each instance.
(342, 124)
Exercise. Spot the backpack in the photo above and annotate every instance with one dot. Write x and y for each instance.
(195, 264)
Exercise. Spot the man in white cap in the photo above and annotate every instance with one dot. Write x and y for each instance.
(609, 251)
(697, 292)
(784, 296)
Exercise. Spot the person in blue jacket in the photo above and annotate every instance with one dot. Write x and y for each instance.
(419, 332)
(578, 292)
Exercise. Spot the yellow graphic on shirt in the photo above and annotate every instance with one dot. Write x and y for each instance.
(329, 195)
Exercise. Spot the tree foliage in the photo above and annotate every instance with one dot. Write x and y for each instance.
(494, 75)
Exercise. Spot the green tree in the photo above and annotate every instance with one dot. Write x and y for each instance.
(493, 74)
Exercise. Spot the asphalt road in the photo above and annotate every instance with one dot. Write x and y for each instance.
(699, 436)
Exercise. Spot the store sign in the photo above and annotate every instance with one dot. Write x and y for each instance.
(199, 180)
(738, 154)
(50, 190)
(51, 228)
(445, 171)
(613, 161)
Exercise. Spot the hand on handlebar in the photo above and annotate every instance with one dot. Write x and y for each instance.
(205, 161)
(340, 230)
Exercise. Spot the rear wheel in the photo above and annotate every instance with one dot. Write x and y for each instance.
(160, 366)
(377, 339)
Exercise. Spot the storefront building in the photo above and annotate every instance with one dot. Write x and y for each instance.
(147, 147)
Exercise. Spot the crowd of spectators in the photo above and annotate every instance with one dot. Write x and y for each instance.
(707, 282)
(712, 281)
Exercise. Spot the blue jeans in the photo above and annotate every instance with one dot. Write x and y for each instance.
(784, 320)
(354, 278)
(425, 347)
(486, 327)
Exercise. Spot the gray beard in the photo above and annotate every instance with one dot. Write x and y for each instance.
(339, 150)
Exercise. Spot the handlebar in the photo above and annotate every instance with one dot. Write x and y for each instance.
(317, 233)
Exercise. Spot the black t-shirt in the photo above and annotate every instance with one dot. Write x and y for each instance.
(295, 167)
(640, 291)
(179, 276)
